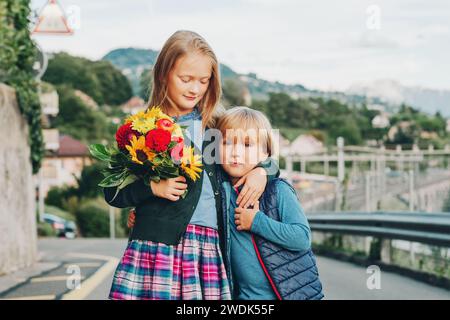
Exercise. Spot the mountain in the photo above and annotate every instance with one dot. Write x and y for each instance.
(392, 92)
(134, 61)
(384, 94)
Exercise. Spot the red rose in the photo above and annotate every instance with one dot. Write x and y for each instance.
(158, 140)
(124, 135)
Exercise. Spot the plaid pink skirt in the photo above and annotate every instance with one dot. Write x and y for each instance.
(191, 270)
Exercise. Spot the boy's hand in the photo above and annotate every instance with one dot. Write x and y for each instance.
(131, 218)
(254, 184)
(243, 218)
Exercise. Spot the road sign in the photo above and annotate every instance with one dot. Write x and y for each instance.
(52, 20)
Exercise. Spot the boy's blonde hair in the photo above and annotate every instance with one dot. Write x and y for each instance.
(178, 45)
(244, 118)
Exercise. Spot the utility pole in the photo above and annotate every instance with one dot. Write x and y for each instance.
(112, 223)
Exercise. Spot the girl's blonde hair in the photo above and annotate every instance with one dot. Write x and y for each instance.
(244, 118)
(178, 45)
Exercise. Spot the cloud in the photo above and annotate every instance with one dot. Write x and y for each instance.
(321, 44)
(372, 39)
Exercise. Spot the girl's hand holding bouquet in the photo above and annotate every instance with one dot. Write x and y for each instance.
(150, 146)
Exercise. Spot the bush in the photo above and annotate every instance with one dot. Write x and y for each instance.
(89, 180)
(57, 195)
(17, 56)
(92, 221)
(45, 230)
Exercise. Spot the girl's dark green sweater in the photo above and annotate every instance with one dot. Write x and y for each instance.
(165, 221)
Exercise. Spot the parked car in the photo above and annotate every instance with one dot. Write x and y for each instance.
(64, 228)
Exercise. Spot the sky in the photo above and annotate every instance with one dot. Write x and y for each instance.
(326, 45)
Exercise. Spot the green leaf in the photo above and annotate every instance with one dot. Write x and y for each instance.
(114, 180)
(128, 180)
(171, 145)
(100, 152)
(155, 178)
(119, 159)
(113, 150)
(170, 172)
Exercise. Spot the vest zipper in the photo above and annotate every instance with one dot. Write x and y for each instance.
(272, 284)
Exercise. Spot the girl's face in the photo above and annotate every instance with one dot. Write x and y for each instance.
(188, 81)
(240, 152)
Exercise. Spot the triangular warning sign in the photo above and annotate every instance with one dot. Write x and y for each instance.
(52, 20)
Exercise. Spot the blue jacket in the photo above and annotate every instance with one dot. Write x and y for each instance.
(292, 275)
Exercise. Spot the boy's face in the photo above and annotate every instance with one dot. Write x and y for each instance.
(188, 81)
(241, 151)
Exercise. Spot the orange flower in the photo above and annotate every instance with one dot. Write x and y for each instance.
(165, 124)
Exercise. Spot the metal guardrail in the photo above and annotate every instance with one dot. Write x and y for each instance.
(428, 228)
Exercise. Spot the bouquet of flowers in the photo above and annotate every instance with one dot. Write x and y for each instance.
(150, 146)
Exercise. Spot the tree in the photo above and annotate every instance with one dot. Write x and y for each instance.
(98, 79)
(301, 114)
(89, 179)
(233, 92)
(74, 72)
(278, 108)
(78, 120)
(145, 84)
(406, 135)
(114, 86)
(346, 127)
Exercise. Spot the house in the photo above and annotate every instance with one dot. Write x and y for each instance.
(49, 100)
(306, 144)
(427, 135)
(86, 99)
(381, 121)
(281, 145)
(134, 105)
(63, 166)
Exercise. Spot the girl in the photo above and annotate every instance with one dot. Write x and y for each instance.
(174, 251)
(268, 247)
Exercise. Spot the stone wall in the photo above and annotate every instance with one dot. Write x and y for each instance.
(18, 238)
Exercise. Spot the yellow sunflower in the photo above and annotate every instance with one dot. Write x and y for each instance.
(144, 121)
(143, 125)
(139, 151)
(156, 112)
(133, 117)
(191, 163)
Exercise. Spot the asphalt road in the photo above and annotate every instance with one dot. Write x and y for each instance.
(97, 259)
